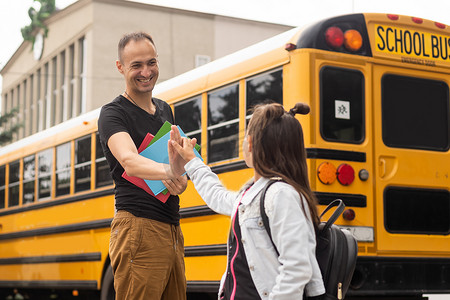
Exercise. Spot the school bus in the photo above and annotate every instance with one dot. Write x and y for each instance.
(377, 137)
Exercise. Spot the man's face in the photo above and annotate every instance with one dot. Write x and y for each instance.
(139, 66)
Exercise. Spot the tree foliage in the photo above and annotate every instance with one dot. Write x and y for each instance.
(6, 135)
(37, 19)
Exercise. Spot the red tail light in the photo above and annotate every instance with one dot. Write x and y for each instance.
(334, 37)
(345, 174)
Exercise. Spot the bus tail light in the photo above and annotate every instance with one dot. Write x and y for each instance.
(353, 40)
(334, 37)
(326, 173)
(290, 47)
(345, 174)
(349, 214)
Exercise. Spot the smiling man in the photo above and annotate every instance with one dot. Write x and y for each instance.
(146, 246)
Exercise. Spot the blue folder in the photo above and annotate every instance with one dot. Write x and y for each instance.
(158, 151)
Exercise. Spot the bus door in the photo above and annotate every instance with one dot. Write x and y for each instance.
(412, 161)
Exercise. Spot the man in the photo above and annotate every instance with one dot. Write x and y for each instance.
(146, 245)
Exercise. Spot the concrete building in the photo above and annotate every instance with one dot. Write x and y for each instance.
(72, 70)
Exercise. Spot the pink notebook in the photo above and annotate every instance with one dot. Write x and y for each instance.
(139, 181)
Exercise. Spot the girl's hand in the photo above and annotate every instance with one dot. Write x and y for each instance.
(185, 148)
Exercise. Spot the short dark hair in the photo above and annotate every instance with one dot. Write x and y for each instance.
(135, 36)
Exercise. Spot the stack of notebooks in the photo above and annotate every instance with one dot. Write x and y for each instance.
(155, 148)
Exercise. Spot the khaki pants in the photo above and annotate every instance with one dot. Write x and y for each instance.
(147, 258)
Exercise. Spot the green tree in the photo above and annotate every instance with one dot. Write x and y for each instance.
(6, 135)
(37, 19)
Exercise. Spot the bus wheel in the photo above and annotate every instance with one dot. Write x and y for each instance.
(107, 292)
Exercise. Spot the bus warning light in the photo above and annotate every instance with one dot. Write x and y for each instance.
(334, 37)
(290, 47)
(440, 25)
(326, 173)
(345, 174)
(417, 20)
(353, 40)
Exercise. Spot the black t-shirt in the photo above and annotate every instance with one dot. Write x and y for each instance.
(121, 115)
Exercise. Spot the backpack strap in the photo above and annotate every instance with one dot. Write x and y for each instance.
(264, 217)
(340, 208)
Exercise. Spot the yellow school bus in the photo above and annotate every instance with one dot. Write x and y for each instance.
(377, 137)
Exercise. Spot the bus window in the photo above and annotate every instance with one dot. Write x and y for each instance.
(342, 105)
(102, 175)
(223, 123)
(2, 186)
(62, 169)
(267, 87)
(417, 211)
(415, 113)
(45, 159)
(188, 115)
(29, 167)
(14, 183)
(83, 164)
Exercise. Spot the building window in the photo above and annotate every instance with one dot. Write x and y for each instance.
(188, 115)
(223, 123)
(45, 160)
(54, 96)
(102, 175)
(71, 93)
(29, 168)
(48, 99)
(31, 109)
(14, 183)
(63, 107)
(82, 78)
(201, 60)
(83, 164)
(62, 173)
(2, 186)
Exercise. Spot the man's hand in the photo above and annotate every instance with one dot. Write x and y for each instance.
(176, 186)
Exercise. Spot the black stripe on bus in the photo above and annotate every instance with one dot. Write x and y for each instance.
(203, 286)
(95, 256)
(349, 199)
(104, 223)
(57, 284)
(234, 166)
(196, 211)
(336, 154)
(51, 203)
(206, 250)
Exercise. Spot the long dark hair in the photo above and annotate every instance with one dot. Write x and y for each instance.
(279, 149)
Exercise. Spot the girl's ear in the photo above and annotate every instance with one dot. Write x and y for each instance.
(250, 143)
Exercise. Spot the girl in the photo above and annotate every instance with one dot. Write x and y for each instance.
(273, 147)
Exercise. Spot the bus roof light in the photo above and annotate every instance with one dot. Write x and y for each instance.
(334, 37)
(345, 174)
(392, 17)
(440, 25)
(353, 40)
(417, 20)
(326, 173)
(290, 47)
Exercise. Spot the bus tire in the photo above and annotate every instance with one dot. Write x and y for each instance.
(107, 291)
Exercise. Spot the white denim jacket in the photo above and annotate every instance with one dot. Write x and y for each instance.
(275, 277)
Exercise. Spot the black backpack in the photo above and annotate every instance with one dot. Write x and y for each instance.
(336, 250)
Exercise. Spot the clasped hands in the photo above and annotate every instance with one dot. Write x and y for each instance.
(181, 151)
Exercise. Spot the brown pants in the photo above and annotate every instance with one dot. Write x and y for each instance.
(147, 258)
